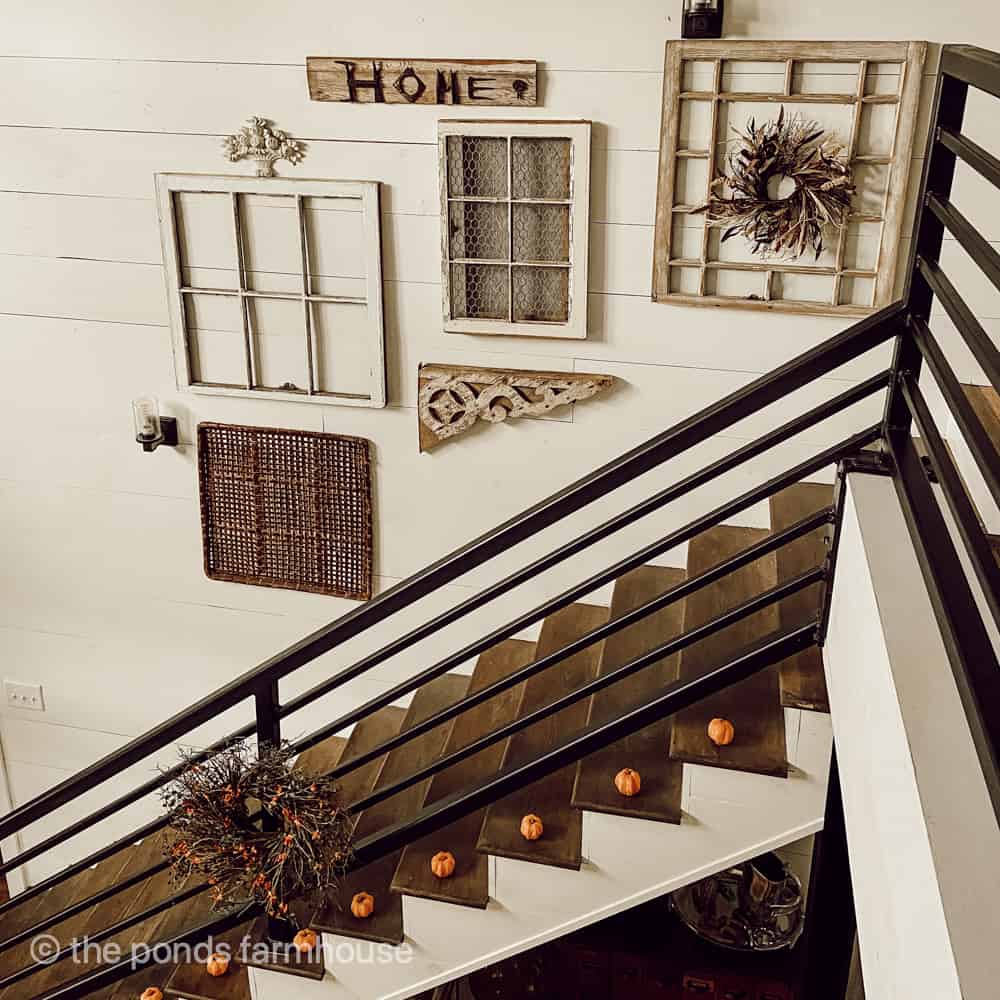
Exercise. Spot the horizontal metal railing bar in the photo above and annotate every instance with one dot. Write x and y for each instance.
(969, 424)
(976, 338)
(967, 643)
(121, 844)
(89, 983)
(723, 465)
(706, 423)
(122, 802)
(972, 65)
(675, 696)
(102, 935)
(847, 447)
(966, 520)
(971, 240)
(629, 618)
(82, 905)
(984, 163)
(749, 607)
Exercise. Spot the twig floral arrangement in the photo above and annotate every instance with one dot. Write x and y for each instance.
(255, 828)
(792, 148)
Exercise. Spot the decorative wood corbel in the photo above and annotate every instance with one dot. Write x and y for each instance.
(452, 398)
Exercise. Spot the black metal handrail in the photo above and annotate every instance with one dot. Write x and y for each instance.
(707, 423)
(962, 622)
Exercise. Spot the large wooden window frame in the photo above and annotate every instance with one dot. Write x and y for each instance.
(169, 185)
(910, 58)
(578, 203)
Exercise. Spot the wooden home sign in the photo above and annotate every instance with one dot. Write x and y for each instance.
(472, 82)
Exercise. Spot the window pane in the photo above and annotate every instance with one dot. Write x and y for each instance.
(477, 166)
(478, 230)
(541, 232)
(336, 237)
(279, 338)
(540, 168)
(216, 345)
(206, 239)
(479, 291)
(272, 245)
(343, 348)
(541, 294)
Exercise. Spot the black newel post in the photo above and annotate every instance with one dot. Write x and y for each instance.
(269, 734)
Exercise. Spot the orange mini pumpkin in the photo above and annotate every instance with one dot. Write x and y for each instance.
(443, 864)
(532, 827)
(721, 732)
(363, 905)
(628, 782)
(151, 993)
(217, 965)
(305, 940)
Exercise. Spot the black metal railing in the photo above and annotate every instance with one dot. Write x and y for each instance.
(887, 447)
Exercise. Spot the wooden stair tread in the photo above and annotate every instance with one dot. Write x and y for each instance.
(550, 797)
(803, 684)
(368, 733)
(323, 757)
(115, 869)
(644, 751)
(985, 401)
(192, 981)
(469, 886)
(386, 923)
(753, 705)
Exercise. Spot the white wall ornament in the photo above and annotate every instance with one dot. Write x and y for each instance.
(451, 399)
(258, 140)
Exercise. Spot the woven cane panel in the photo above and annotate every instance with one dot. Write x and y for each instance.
(282, 508)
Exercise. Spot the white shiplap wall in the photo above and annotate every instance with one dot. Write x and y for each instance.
(103, 597)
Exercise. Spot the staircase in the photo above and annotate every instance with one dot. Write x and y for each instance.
(563, 696)
(507, 893)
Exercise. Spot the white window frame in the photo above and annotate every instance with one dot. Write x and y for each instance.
(170, 184)
(578, 133)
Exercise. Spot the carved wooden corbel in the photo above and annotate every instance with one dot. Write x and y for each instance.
(452, 398)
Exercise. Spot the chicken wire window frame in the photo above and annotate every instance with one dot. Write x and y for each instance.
(518, 234)
(695, 279)
(360, 325)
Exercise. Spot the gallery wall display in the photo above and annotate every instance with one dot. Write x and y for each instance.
(274, 286)
(286, 508)
(451, 399)
(472, 82)
(783, 173)
(515, 200)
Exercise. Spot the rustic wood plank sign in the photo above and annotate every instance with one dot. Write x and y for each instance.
(472, 82)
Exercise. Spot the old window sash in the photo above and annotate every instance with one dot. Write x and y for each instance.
(340, 361)
(515, 201)
(688, 278)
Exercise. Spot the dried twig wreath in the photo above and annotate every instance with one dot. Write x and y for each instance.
(256, 829)
(747, 201)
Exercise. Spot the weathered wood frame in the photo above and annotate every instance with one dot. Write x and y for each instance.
(909, 55)
(578, 134)
(367, 192)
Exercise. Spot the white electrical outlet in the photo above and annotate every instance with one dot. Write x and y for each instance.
(24, 696)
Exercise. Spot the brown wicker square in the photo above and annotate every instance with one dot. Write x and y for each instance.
(284, 508)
